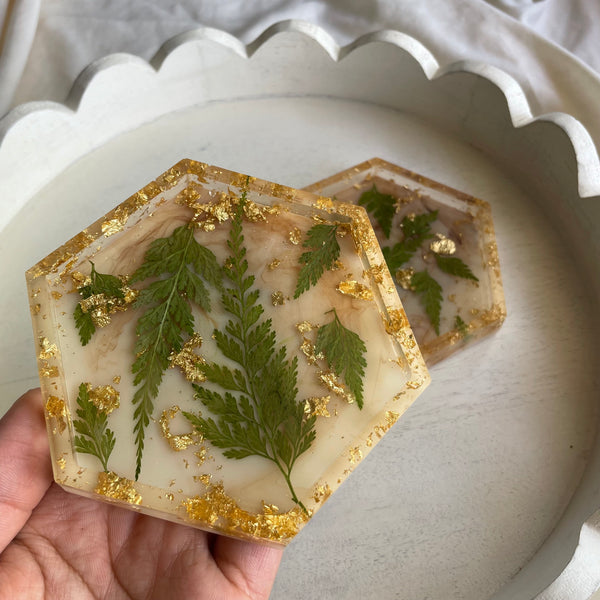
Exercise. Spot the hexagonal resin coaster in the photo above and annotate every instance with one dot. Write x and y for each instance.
(440, 247)
(216, 351)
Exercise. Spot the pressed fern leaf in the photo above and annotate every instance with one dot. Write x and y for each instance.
(381, 206)
(345, 354)
(415, 229)
(430, 294)
(454, 266)
(95, 438)
(100, 283)
(181, 265)
(324, 251)
(257, 414)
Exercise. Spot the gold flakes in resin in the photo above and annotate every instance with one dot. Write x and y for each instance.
(295, 236)
(104, 397)
(48, 371)
(355, 289)
(117, 379)
(259, 212)
(116, 223)
(100, 307)
(112, 486)
(321, 493)
(57, 409)
(62, 463)
(442, 245)
(317, 407)
(324, 203)
(355, 455)
(395, 322)
(273, 264)
(217, 509)
(376, 273)
(177, 442)
(404, 278)
(330, 380)
(47, 349)
(189, 361)
(277, 298)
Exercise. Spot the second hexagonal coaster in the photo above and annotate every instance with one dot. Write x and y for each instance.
(440, 247)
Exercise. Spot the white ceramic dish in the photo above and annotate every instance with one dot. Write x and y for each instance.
(482, 487)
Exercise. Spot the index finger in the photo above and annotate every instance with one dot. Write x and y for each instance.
(25, 470)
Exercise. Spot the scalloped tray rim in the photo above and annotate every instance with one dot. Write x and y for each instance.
(586, 154)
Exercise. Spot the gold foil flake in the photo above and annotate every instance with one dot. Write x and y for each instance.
(35, 309)
(330, 381)
(324, 203)
(258, 212)
(116, 223)
(295, 236)
(57, 409)
(170, 178)
(305, 327)
(100, 307)
(35, 293)
(201, 455)
(170, 496)
(209, 214)
(188, 361)
(117, 379)
(321, 493)
(217, 509)
(273, 264)
(317, 407)
(48, 371)
(355, 455)
(56, 295)
(414, 384)
(404, 278)
(376, 273)
(204, 478)
(189, 196)
(380, 430)
(61, 462)
(112, 486)
(47, 349)
(395, 322)
(442, 245)
(104, 397)
(391, 417)
(277, 298)
(308, 349)
(79, 279)
(492, 255)
(355, 289)
(177, 442)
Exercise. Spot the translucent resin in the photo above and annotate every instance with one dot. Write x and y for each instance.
(219, 351)
(440, 247)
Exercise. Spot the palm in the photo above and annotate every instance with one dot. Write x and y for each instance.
(72, 547)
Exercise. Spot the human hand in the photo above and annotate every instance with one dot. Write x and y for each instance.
(58, 545)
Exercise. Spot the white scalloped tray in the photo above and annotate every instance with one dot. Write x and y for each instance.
(482, 487)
